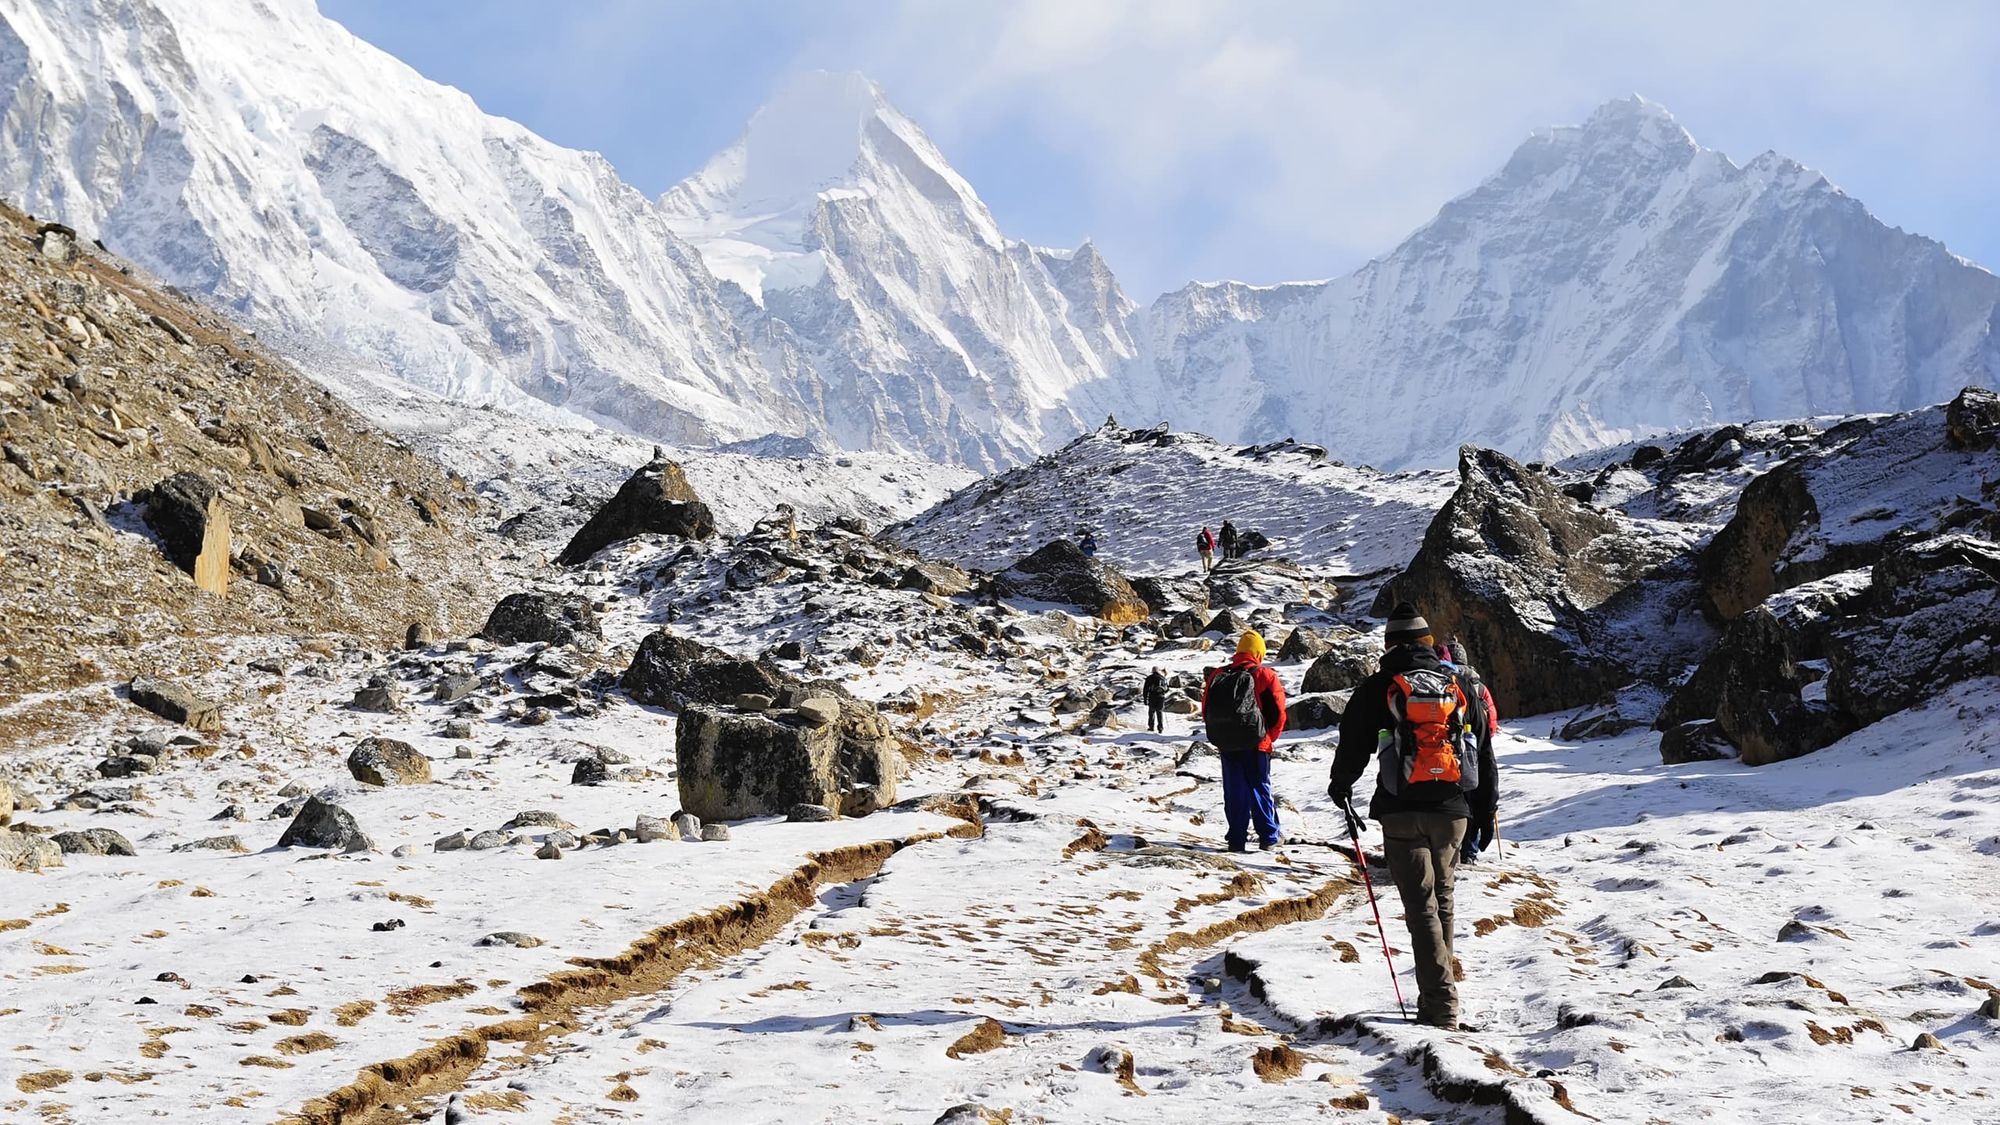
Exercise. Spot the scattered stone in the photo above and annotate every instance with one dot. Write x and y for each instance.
(212, 844)
(1302, 644)
(6, 803)
(385, 927)
(803, 813)
(231, 812)
(174, 703)
(1312, 712)
(1925, 1041)
(589, 770)
(323, 824)
(457, 841)
(1991, 1008)
(377, 695)
(515, 938)
(1795, 930)
(454, 687)
(536, 818)
(127, 765)
(537, 717)
(1338, 669)
(820, 710)
(548, 851)
(388, 761)
(714, 833)
(94, 841)
(488, 840)
(461, 729)
(688, 825)
(186, 512)
(651, 829)
(419, 636)
(1675, 982)
(1972, 421)
(939, 578)
(403, 851)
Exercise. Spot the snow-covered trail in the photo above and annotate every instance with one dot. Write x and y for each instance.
(1016, 970)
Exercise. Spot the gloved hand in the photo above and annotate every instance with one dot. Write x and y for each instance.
(1478, 837)
(1343, 795)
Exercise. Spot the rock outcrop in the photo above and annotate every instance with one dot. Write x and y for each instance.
(1061, 573)
(742, 765)
(1546, 593)
(186, 512)
(656, 500)
(1340, 668)
(26, 851)
(323, 824)
(557, 619)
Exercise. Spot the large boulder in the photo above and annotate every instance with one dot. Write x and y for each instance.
(1312, 712)
(655, 500)
(174, 703)
(1061, 573)
(1559, 603)
(388, 761)
(1340, 668)
(186, 512)
(932, 577)
(323, 824)
(26, 851)
(742, 765)
(1303, 644)
(94, 841)
(673, 671)
(557, 619)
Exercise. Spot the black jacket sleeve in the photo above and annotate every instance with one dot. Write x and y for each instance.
(1486, 798)
(1367, 715)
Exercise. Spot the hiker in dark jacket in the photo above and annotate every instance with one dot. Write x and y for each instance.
(1155, 692)
(1228, 540)
(1243, 706)
(1424, 823)
(1452, 656)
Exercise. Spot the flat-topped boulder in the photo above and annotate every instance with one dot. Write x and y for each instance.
(736, 765)
(1061, 573)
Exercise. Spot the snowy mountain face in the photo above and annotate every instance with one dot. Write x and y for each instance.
(930, 329)
(1613, 280)
(260, 155)
(831, 278)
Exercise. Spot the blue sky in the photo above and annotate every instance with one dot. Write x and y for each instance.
(1263, 140)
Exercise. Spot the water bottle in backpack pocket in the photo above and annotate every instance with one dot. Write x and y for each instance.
(1431, 740)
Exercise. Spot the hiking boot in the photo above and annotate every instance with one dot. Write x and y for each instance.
(1442, 1023)
(1239, 847)
(1267, 845)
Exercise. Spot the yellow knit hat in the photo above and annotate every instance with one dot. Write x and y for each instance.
(1252, 643)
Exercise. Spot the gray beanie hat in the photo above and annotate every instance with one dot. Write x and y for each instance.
(1405, 626)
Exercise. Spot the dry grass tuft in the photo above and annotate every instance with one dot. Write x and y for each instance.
(1277, 1064)
(403, 1001)
(306, 1044)
(988, 1036)
(266, 1062)
(290, 1017)
(353, 1012)
(40, 1080)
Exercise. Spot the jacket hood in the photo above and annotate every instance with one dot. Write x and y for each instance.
(1409, 658)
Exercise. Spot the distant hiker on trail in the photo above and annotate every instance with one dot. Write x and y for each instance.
(1205, 543)
(1156, 701)
(1228, 540)
(1088, 544)
(1435, 772)
(1244, 708)
(1452, 656)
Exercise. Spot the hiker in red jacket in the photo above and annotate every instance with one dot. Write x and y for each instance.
(1243, 706)
(1205, 543)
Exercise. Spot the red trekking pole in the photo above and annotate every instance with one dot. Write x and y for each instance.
(1361, 861)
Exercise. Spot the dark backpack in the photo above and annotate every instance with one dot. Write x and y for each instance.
(1235, 714)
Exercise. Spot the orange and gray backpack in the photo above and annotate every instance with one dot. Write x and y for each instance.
(1432, 740)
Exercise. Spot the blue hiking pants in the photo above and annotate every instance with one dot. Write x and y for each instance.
(1246, 796)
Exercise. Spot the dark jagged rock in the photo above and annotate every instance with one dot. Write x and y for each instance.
(1754, 686)
(557, 619)
(174, 703)
(1700, 740)
(186, 512)
(1560, 604)
(323, 824)
(741, 765)
(1061, 573)
(94, 841)
(1933, 619)
(673, 671)
(1972, 421)
(1864, 486)
(1312, 712)
(1166, 594)
(1187, 623)
(1339, 669)
(1303, 644)
(655, 500)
